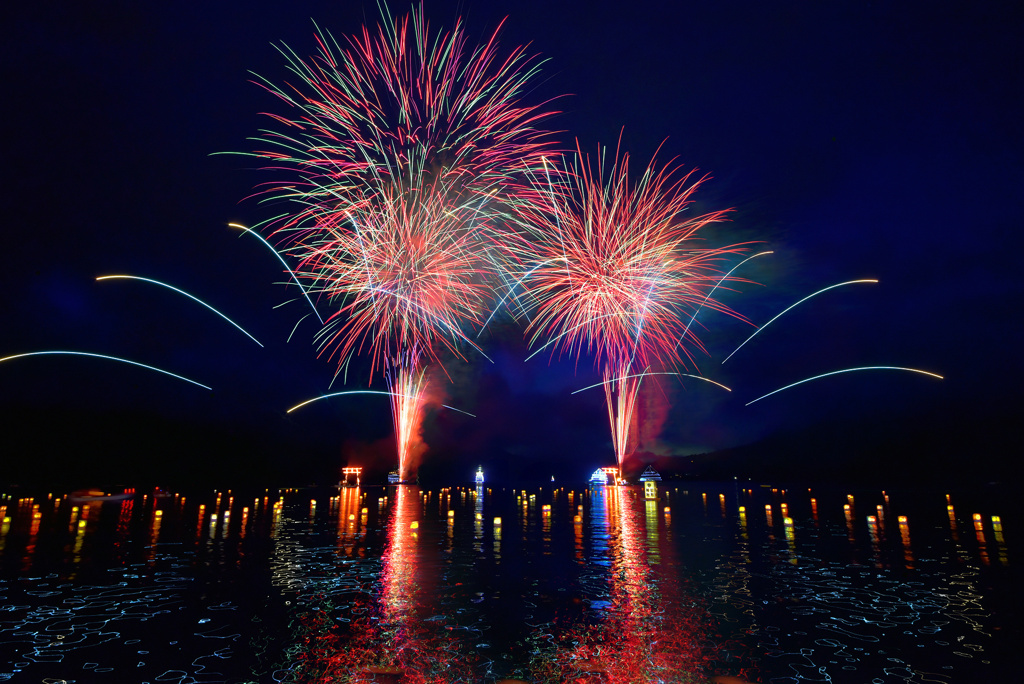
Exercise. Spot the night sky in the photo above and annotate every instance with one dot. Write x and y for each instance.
(855, 140)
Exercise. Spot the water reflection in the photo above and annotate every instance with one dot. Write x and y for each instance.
(373, 620)
(541, 585)
(879, 609)
(645, 625)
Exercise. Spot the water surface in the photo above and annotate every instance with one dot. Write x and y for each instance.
(480, 584)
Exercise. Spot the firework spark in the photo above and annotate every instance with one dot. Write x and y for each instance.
(401, 150)
(617, 273)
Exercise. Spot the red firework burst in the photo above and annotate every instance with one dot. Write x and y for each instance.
(617, 271)
(407, 276)
(400, 108)
(399, 149)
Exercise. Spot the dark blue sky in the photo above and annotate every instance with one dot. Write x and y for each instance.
(856, 140)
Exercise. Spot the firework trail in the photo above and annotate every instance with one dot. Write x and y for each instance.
(793, 306)
(248, 231)
(101, 356)
(846, 370)
(353, 392)
(181, 292)
(401, 152)
(617, 273)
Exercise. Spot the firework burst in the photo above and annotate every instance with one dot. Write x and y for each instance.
(405, 279)
(617, 272)
(401, 151)
(398, 108)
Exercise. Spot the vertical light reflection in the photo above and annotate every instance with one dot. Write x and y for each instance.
(76, 552)
(997, 532)
(450, 532)
(545, 529)
(154, 532)
(951, 512)
(979, 534)
(244, 524)
(33, 531)
(741, 571)
(200, 518)
(478, 519)
(349, 521)
(875, 540)
(124, 520)
(577, 526)
(397, 643)
(398, 571)
(276, 523)
(5, 527)
(908, 556)
(650, 630)
(787, 524)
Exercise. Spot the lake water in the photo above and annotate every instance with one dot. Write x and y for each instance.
(541, 584)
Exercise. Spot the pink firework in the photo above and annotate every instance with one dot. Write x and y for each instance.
(616, 271)
(398, 108)
(406, 279)
(400, 150)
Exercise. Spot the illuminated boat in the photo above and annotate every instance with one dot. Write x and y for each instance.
(600, 477)
(396, 479)
(650, 475)
(479, 475)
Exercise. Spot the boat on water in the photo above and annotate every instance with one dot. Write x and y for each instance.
(608, 475)
(394, 478)
(650, 475)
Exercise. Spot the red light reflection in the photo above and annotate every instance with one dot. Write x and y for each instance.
(653, 630)
(388, 638)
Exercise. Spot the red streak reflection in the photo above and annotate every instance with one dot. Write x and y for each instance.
(653, 630)
(388, 638)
